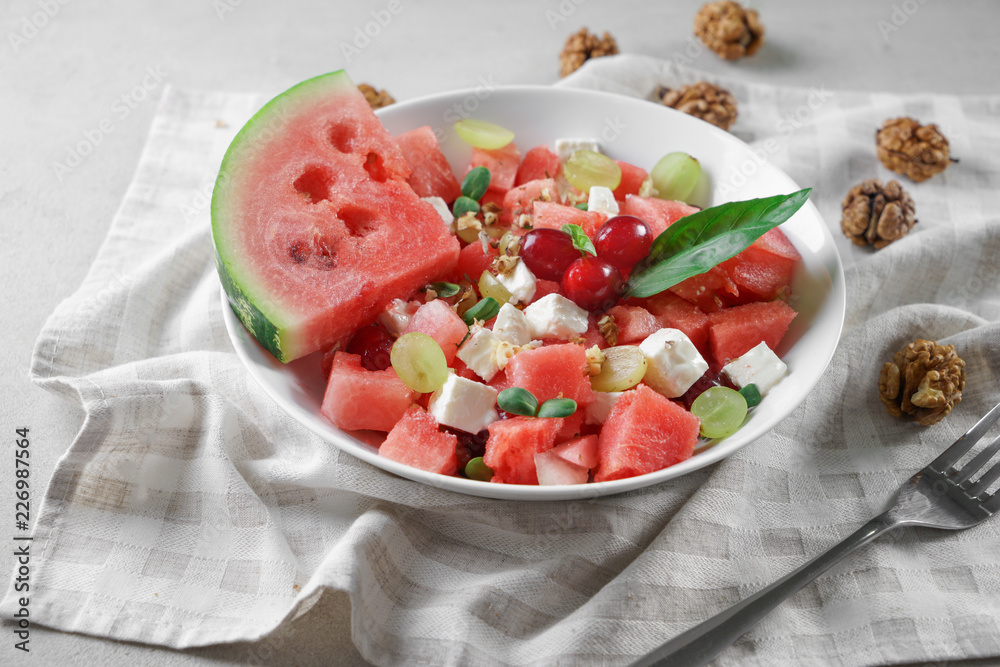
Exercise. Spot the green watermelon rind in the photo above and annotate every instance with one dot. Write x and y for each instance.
(263, 316)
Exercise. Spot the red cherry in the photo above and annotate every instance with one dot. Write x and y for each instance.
(373, 343)
(623, 240)
(592, 283)
(547, 252)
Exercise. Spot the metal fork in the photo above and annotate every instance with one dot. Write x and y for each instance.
(939, 496)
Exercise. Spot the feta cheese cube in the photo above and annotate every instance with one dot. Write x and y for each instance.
(760, 366)
(397, 314)
(464, 404)
(598, 411)
(566, 146)
(602, 200)
(555, 316)
(512, 326)
(479, 353)
(520, 283)
(442, 209)
(674, 363)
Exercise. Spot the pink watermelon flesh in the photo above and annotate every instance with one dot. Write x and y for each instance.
(431, 174)
(472, 261)
(553, 470)
(543, 288)
(765, 269)
(644, 432)
(676, 313)
(708, 290)
(437, 320)
(314, 225)
(502, 163)
(553, 216)
(634, 323)
(539, 162)
(357, 398)
(736, 330)
(657, 213)
(593, 336)
(521, 199)
(416, 441)
(512, 445)
(582, 451)
(552, 371)
(632, 178)
(571, 427)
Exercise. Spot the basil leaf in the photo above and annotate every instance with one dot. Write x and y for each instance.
(557, 407)
(475, 183)
(751, 394)
(582, 206)
(486, 309)
(445, 290)
(518, 401)
(581, 241)
(697, 242)
(477, 469)
(463, 205)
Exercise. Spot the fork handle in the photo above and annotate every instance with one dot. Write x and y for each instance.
(706, 640)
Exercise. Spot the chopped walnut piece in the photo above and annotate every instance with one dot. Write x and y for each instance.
(581, 47)
(703, 100)
(729, 29)
(466, 298)
(491, 213)
(468, 221)
(595, 358)
(877, 215)
(924, 380)
(911, 149)
(376, 98)
(606, 325)
(525, 221)
(504, 264)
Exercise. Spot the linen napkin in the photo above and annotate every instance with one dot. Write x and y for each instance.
(190, 510)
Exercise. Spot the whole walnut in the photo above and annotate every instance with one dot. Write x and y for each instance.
(702, 100)
(729, 29)
(924, 380)
(876, 214)
(581, 46)
(911, 149)
(376, 98)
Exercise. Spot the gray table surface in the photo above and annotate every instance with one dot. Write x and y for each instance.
(63, 65)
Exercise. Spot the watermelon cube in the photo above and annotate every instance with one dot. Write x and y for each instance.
(554, 215)
(738, 329)
(553, 470)
(582, 451)
(765, 269)
(417, 441)
(539, 162)
(512, 445)
(657, 213)
(676, 313)
(645, 432)
(632, 178)
(357, 398)
(710, 291)
(520, 199)
(634, 324)
(502, 163)
(431, 175)
(437, 320)
(544, 288)
(472, 261)
(572, 426)
(552, 371)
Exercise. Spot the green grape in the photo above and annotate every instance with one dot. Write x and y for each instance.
(675, 176)
(480, 134)
(623, 368)
(721, 411)
(419, 362)
(490, 286)
(585, 169)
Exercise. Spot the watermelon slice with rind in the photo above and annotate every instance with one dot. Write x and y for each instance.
(315, 227)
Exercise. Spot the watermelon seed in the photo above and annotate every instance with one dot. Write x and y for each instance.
(314, 184)
(299, 252)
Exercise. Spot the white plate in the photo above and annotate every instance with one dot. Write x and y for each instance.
(639, 132)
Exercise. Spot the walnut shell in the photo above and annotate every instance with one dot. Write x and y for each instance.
(581, 46)
(703, 100)
(911, 149)
(728, 29)
(876, 214)
(376, 98)
(924, 380)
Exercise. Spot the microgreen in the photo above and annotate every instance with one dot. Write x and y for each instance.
(752, 394)
(463, 205)
(557, 407)
(445, 290)
(697, 242)
(485, 309)
(477, 469)
(581, 241)
(519, 401)
(475, 183)
(582, 206)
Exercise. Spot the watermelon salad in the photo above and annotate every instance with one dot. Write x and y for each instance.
(483, 321)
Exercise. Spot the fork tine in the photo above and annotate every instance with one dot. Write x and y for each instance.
(950, 456)
(990, 476)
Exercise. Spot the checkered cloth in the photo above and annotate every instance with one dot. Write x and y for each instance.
(190, 510)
